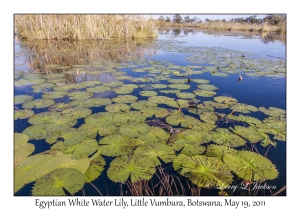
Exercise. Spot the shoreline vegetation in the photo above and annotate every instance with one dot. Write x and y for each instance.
(103, 27)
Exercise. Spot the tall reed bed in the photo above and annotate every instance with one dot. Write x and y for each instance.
(79, 27)
(227, 26)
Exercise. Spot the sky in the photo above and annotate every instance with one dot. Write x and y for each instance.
(212, 16)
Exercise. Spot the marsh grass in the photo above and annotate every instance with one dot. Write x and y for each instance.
(227, 26)
(80, 27)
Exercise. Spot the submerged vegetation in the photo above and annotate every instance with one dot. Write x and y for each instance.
(106, 114)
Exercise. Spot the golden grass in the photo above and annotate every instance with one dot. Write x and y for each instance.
(227, 26)
(79, 27)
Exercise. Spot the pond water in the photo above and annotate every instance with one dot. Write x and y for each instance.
(185, 114)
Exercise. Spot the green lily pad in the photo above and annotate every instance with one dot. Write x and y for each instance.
(23, 151)
(244, 108)
(185, 95)
(204, 93)
(70, 136)
(200, 80)
(215, 105)
(36, 132)
(76, 113)
(116, 145)
(222, 136)
(128, 117)
(96, 102)
(159, 86)
(23, 114)
(134, 130)
(98, 89)
(44, 117)
(156, 151)
(113, 84)
(90, 83)
(209, 117)
(125, 99)
(24, 171)
(225, 99)
(95, 169)
(58, 107)
(273, 111)
(207, 87)
(123, 89)
(62, 161)
(180, 86)
(38, 103)
(123, 77)
(107, 130)
(203, 171)
(247, 119)
(54, 94)
(156, 134)
(177, 118)
(20, 139)
(148, 93)
(55, 182)
(251, 166)
(80, 95)
(100, 119)
(117, 107)
(134, 168)
(214, 150)
(157, 111)
(37, 88)
(143, 104)
(51, 76)
(190, 136)
(67, 87)
(20, 99)
(248, 133)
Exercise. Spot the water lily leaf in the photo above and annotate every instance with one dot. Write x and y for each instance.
(83, 149)
(247, 119)
(61, 123)
(95, 169)
(38, 103)
(169, 91)
(203, 171)
(219, 151)
(62, 161)
(115, 145)
(70, 136)
(248, 133)
(209, 104)
(202, 126)
(190, 136)
(23, 151)
(20, 139)
(23, 114)
(134, 130)
(90, 83)
(204, 93)
(244, 108)
(106, 130)
(20, 99)
(24, 171)
(278, 123)
(98, 89)
(156, 151)
(57, 80)
(180, 86)
(185, 95)
(159, 86)
(96, 102)
(36, 132)
(76, 113)
(117, 107)
(223, 137)
(177, 80)
(148, 93)
(133, 167)
(55, 182)
(58, 107)
(80, 95)
(113, 84)
(188, 147)
(51, 76)
(209, 117)
(123, 77)
(161, 99)
(123, 89)
(207, 87)
(67, 87)
(177, 118)
(156, 134)
(125, 99)
(44, 117)
(143, 104)
(128, 117)
(22, 82)
(90, 131)
(200, 80)
(273, 111)
(251, 166)
(54, 94)
(41, 86)
(100, 119)
(157, 111)
(225, 99)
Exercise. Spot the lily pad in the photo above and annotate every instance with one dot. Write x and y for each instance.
(96, 102)
(98, 89)
(128, 117)
(222, 136)
(125, 99)
(159, 86)
(55, 182)
(203, 171)
(156, 134)
(148, 93)
(273, 111)
(207, 87)
(143, 104)
(204, 93)
(134, 130)
(248, 133)
(225, 99)
(76, 113)
(38, 103)
(80, 95)
(209, 117)
(180, 86)
(157, 111)
(23, 114)
(177, 118)
(113, 84)
(117, 107)
(95, 169)
(185, 95)
(54, 94)
(41, 86)
(20, 99)
(251, 166)
(134, 168)
(214, 150)
(100, 119)
(244, 108)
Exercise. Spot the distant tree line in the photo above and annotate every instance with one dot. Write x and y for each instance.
(270, 19)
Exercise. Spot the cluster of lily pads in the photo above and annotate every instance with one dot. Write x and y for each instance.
(162, 123)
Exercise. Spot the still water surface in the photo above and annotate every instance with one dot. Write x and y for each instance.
(171, 53)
